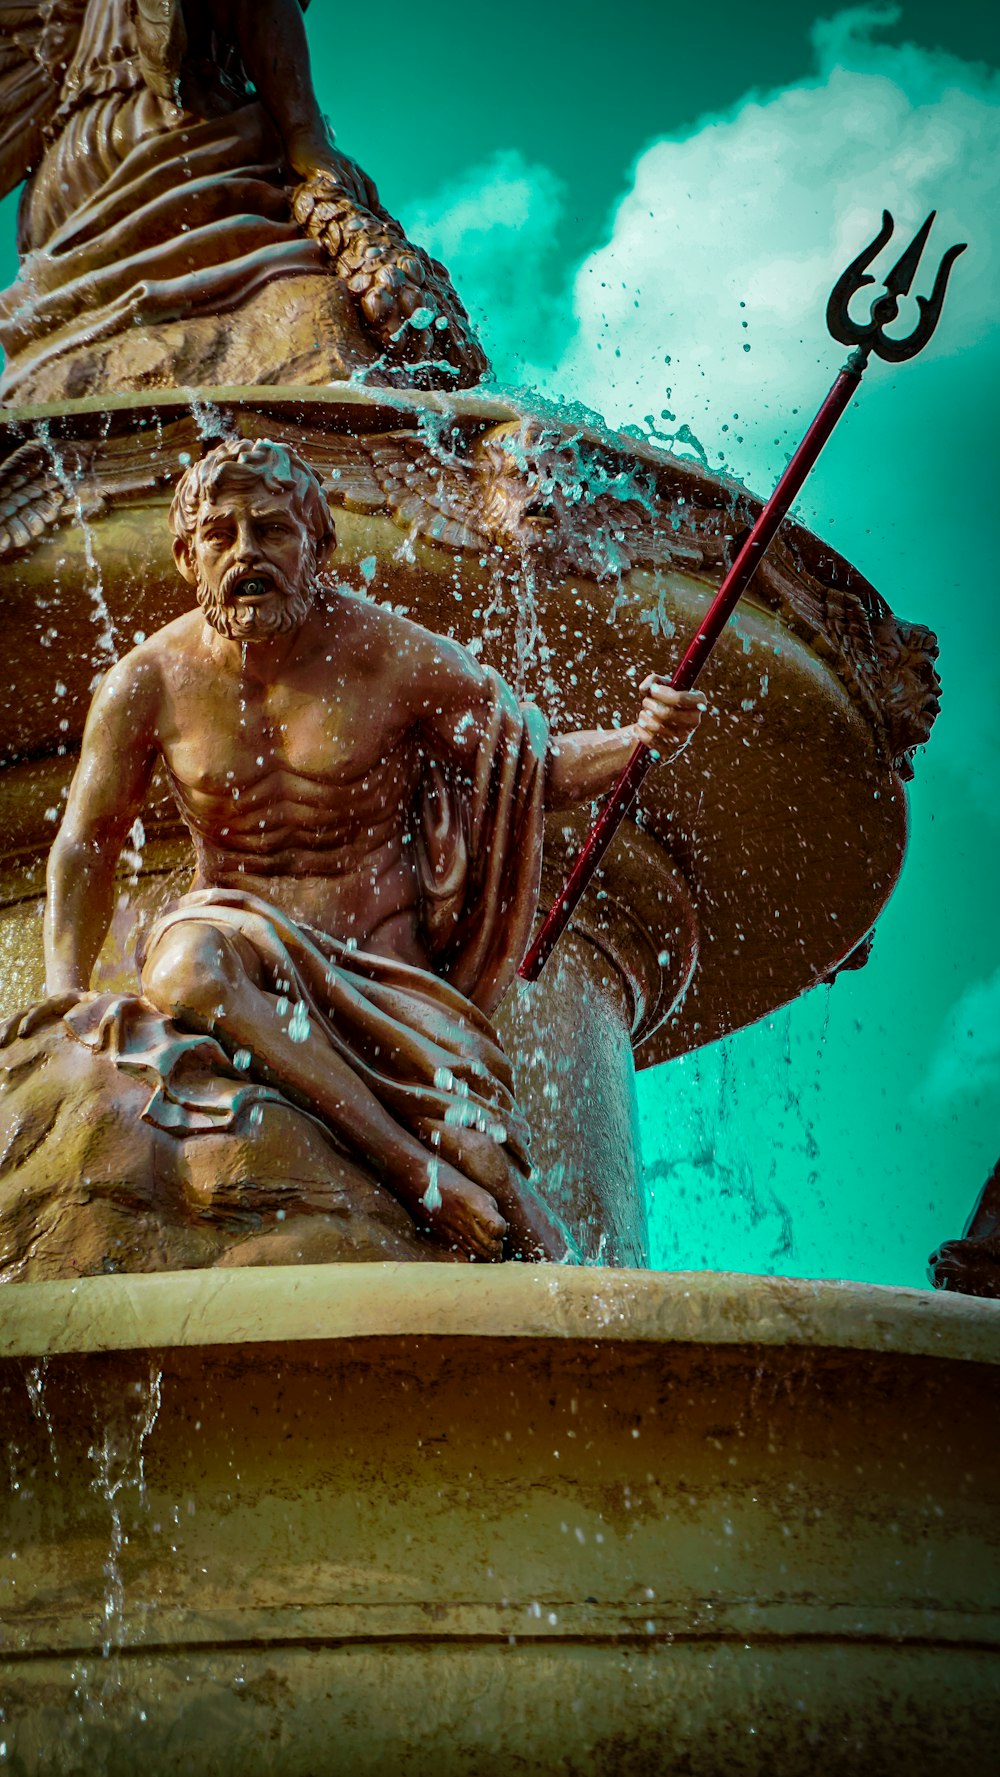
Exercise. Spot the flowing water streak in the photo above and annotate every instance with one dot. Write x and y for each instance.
(387, 363)
(109, 1485)
(107, 647)
(152, 1399)
(34, 1377)
(119, 1455)
(527, 629)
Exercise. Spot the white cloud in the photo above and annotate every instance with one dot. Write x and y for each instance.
(709, 297)
(764, 207)
(494, 227)
(966, 1062)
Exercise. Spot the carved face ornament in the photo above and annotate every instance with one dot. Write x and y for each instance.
(548, 498)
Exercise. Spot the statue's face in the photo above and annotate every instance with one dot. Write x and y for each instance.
(251, 560)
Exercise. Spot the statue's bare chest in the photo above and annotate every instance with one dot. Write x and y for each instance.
(231, 741)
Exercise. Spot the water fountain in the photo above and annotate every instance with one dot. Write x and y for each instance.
(278, 1513)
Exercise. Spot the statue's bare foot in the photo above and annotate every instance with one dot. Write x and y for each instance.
(533, 1231)
(458, 1214)
(406, 298)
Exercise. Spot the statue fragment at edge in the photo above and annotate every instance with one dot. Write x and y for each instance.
(365, 802)
(187, 219)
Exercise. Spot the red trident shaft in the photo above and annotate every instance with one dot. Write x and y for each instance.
(865, 339)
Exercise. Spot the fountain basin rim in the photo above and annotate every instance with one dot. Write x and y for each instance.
(285, 1305)
(463, 403)
(474, 407)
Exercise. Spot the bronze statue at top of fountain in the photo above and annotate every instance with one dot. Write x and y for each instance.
(188, 220)
(215, 320)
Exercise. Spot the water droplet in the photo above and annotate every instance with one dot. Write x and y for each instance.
(431, 1199)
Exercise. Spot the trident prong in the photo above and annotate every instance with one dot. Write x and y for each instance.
(871, 336)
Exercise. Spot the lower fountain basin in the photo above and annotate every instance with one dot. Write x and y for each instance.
(390, 1517)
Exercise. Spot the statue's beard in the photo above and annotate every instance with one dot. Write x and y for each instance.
(285, 608)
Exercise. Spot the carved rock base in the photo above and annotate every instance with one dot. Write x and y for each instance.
(302, 330)
(87, 1186)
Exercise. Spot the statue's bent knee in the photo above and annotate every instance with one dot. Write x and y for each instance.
(188, 972)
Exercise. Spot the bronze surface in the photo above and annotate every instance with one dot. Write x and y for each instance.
(187, 215)
(365, 803)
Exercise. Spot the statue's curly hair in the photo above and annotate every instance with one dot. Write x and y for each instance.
(277, 466)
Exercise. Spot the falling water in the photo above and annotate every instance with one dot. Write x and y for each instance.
(106, 645)
(35, 1377)
(211, 421)
(118, 1455)
(527, 630)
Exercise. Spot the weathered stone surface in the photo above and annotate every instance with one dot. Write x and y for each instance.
(479, 1521)
(293, 330)
(87, 1186)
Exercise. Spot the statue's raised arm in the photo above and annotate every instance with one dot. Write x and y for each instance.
(188, 219)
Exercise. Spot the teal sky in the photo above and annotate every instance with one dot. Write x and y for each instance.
(602, 187)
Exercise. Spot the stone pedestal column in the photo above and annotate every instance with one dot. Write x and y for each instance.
(624, 963)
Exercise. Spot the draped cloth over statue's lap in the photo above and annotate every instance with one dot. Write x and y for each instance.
(420, 1047)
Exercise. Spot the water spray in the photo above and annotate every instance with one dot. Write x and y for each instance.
(865, 339)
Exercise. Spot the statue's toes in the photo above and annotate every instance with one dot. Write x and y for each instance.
(413, 301)
(378, 305)
(400, 291)
(398, 314)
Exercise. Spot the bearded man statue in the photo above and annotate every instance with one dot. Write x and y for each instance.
(365, 802)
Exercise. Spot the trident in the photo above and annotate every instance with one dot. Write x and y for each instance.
(865, 338)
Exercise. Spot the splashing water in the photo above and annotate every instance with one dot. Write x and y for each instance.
(35, 1377)
(210, 420)
(527, 630)
(131, 857)
(106, 647)
(431, 1198)
(118, 1454)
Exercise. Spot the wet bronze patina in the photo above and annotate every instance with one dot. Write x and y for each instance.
(187, 217)
(365, 802)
